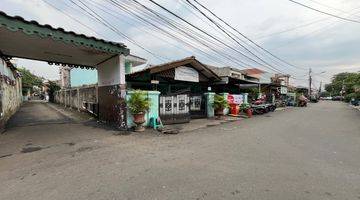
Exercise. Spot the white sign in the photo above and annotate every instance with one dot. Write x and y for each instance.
(283, 90)
(155, 82)
(186, 74)
(238, 99)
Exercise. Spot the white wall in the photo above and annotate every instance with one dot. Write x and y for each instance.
(10, 95)
(112, 72)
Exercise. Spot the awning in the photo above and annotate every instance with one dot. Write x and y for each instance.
(31, 40)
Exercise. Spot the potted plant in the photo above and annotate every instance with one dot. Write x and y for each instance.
(138, 105)
(245, 107)
(220, 103)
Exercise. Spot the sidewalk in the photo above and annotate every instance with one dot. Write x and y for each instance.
(196, 124)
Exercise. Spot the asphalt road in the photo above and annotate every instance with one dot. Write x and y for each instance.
(301, 153)
(36, 113)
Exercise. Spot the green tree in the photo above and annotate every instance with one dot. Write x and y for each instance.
(350, 82)
(53, 87)
(30, 80)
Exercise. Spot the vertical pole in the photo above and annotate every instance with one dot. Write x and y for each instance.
(259, 91)
(343, 88)
(78, 99)
(65, 98)
(97, 93)
(70, 91)
(310, 80)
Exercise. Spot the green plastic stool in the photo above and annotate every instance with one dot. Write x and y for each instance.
(156, 123)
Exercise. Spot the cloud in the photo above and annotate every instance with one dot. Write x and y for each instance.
(327, 45)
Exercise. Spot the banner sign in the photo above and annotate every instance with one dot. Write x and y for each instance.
(186, 74)
(235, 99)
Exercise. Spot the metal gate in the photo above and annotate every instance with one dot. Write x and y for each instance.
(197, 106)
(174, 109)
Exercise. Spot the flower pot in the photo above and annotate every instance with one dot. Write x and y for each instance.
(139, 119)
(249, 112)
(219, 111)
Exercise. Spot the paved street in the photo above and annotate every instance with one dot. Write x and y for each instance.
(36, 113)
(300, 153)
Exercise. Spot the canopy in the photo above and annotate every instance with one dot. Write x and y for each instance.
(31, 40)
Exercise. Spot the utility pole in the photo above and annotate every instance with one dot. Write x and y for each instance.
(310, 81)
(320, 87)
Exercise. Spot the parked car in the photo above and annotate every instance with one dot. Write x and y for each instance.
(326, 98)
(337, 98)
(314, 99)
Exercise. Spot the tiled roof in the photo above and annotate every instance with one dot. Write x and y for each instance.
(173, 64)
(252, 71)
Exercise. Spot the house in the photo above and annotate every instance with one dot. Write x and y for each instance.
(183, 86)
(271, 84)
(233, 80)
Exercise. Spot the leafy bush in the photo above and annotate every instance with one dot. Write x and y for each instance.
(245, 106)
(220, 102)
(355, 95)
(138, 103)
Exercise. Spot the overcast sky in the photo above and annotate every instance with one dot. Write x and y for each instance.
(318, 41)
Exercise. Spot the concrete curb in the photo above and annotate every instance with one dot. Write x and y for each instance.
(210, 124)
(67, 113)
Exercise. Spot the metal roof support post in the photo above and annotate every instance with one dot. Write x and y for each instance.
(78, 99)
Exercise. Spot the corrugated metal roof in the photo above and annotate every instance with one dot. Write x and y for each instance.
(17, 23)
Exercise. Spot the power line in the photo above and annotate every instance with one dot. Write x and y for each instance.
(223, 30)
(204, 32)
(326, 13)
(100, 19)
(247, 38)
(145, 21)
(291, 29)
(73, 18)
(122, 7)
(188, 33)
(331, 7)
(170, 13)
(316, 31)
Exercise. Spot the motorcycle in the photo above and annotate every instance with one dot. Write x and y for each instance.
(260, 106)
(302, 101)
